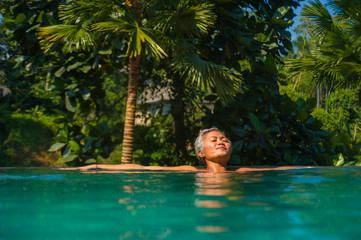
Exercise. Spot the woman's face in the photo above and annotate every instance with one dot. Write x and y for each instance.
(216, 147)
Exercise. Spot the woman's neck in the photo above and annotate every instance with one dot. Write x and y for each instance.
(215, 167)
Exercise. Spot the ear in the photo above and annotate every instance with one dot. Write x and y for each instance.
(201, 155)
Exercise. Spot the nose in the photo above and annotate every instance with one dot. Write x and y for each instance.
(220, 142)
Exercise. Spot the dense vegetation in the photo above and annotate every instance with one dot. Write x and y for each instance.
(67, 67)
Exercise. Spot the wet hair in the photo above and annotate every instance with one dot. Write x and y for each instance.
(199, 143)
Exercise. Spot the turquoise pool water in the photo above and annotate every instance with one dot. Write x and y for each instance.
(321, 203)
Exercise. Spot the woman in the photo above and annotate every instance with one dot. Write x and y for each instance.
(212, 148)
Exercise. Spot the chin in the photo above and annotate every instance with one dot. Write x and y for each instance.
(224, 158)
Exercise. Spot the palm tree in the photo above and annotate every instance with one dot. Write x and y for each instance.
(336, 57)
(150, 29)
(83, 20)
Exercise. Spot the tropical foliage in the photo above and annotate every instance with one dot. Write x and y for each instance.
(326, 65)
(90, 68)
(144, 27)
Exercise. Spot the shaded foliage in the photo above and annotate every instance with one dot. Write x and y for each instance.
(267, 128)
(75, 85)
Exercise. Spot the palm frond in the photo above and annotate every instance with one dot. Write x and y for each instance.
(352, 71)
(99, 10)
(151, 45)
(205, 75)
(115, 26)
(296, 66)
(320, 16)
(140, 38)
(186, 19)
(336, 56)
(318, 64)
(75, 37)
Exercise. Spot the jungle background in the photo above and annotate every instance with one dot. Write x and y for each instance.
(67, 67)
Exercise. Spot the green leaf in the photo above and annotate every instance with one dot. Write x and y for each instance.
(281, 12)
(301, 115)
(8, 20)
(237, 146)
(271, 46)
(262, 37)
(20, 18)
(240, 132)
(56, 146)
(40, 17)
(33, 27)
(74, 146)
(62, 136)
(70, 104)
(69, 158)
(87, 145)
(338, 160)
(85, 69)
(91, 161)
(282, 23)
(358, 162)
(105, 52)
(287, 157)
(72, 86)
(85, 92)
(60, 72)
(75, 65)
(255, 121)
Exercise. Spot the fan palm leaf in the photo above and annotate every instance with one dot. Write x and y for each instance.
(205, 75)
(139, 37)
(75, 37)
(185, 20)
(91, 10)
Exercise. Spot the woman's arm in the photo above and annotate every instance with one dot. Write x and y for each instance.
(246, 169)
(132, 167)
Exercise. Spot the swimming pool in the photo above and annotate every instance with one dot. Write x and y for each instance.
(320, 203)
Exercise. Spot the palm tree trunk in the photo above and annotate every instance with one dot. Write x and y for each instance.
(177, 106)
(128, 136)
(318, 95)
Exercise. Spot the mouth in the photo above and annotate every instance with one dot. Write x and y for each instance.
(222, 148)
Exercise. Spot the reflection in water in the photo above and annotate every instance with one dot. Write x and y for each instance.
(212, 229)
(213, 184)
(141, 234)
(210, 204)
(214, 191)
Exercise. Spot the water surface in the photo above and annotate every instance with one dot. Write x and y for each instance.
(320, 203)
